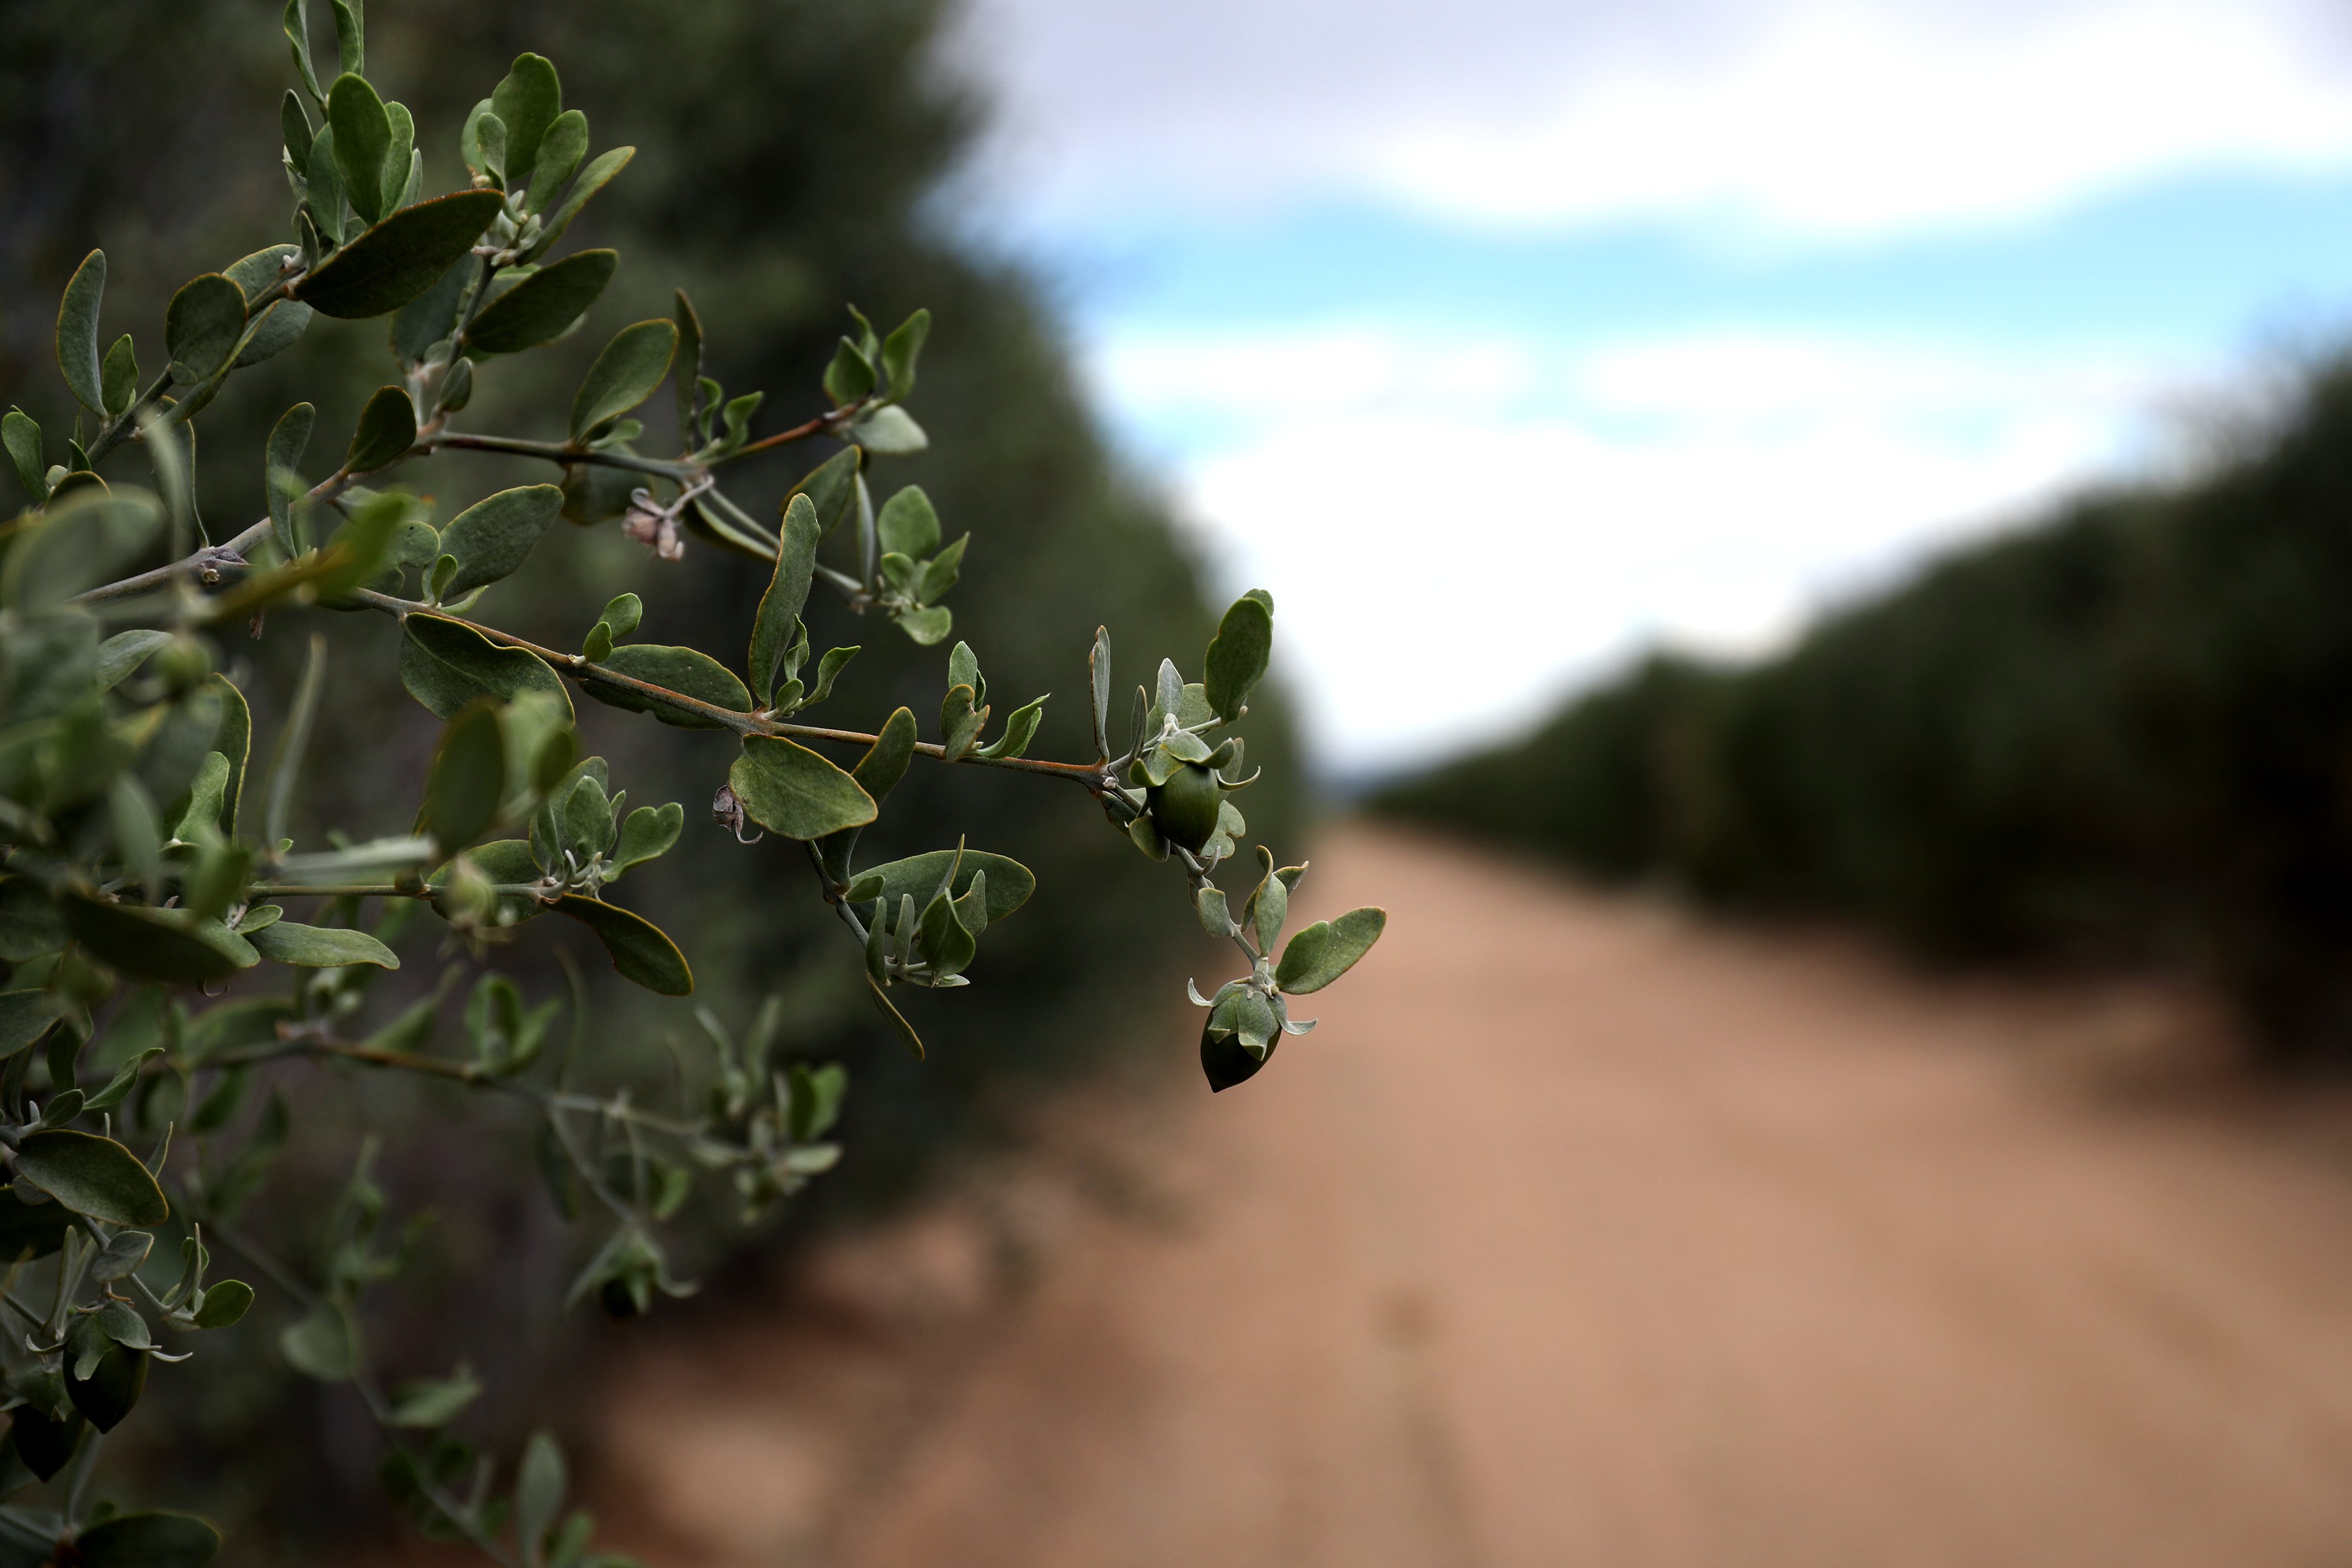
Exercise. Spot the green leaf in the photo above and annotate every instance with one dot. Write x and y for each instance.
(121, 653)
(428, 1403)
(1019, 730)
(24, 1017)
(907, 523)
(362, 143)
(622, 612)
(294, 128)
(351, 46)
(323, 1344)
(625, 374)
(789, 790)
(850, 376)
(927, 626)
(559, 151)
(1209, 903)
(1237, 655)
(117, 377)
(320, 947)
(828, 670)
(688, 380)
(93, 1176)
(298, 35)
(400, 257)
(542, 306)
(889, 431)
(147, 1541)
(78, 332)
(387, 428)
(282, 321)
(1327, 950)
(21, 433)
(467, 781)
(153, 944)
(224, 1304)
(901, 351)
(962, 716)
(431, 315)
(539, 1492)
(637, 947)
(788, 588)
(201, 327)
(877, 772)
(594, 178)
(288, 438)
(446, 665)
(324, 184)
(494, 536)
(1008, 886)
(832, 488)
(528, 102)
(895, 1019)
(940, 573)
(684, 670)
(647, 835)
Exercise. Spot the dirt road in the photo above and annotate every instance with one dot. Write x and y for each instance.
(1580, 1234)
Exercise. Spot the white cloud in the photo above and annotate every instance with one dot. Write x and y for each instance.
(1812, 117)
(1710, 489)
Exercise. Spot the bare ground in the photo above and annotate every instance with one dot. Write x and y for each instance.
(1580, 1234)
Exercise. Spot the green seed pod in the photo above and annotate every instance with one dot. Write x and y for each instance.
(1225, 1061)
(45, 1443)
(183, 662)
(1184, 809)
(113, 1387)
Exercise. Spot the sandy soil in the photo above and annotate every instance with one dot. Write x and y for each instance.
(1580, 1234)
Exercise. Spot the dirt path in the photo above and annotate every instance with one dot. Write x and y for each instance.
(1581, 1234)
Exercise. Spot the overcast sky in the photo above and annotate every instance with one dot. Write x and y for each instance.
(1612, 325)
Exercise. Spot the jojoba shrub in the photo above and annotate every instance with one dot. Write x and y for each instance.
(152, 882)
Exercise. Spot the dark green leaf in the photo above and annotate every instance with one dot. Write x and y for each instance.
(147, 1541)
(625, 374)
(594, 178)
(468, 780)
(539, 308)
(29, 924)
(30, 1230)
(431, 315)
(684, 670)
(1008, 882)
(387, 428)
(789, 790)
(559, 151)
(526, 103)
(850, 376)
(400, 257)
(77, 331)
(153, 944)
(224, 1304)
(92, 1175)
(202, 325)
(287, 440)
(446, 665)
(117, 377)
(24, 1017)
(282, 321)
(1327, 950)
(832, 488)
(320, 947)
(363, 141)
(904, 347)
(1237, 655)
(688, 380)
(494, 536)
(788, 588)
(21, 433)
(294, 128)
(637, 947)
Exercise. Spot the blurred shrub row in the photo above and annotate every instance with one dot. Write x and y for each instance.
(2122, 734)
(792, 154)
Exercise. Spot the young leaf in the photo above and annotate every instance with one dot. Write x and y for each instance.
(493, 537)
(961, 717)
(1098, 679)
(446, 665)
(889, 431)
(526, 103)
(362, 143)
(1327, 950)
(901, 350)
(625, 374)
(791, 791)
(908, 524)
(788, 587)
(877, 772)
(850, 376)
(21, 433)
(637, 947)
(298, 34)
(539, 308)
(92, 1175)
(117, 376)
(594, 178)
(1019, 730)
(400, 257)
(78, 332)
(648, 835)
(832, 488)
(559, 151)
(224, 1304)
(387, 428)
